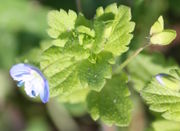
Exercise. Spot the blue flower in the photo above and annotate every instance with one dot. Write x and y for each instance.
(33, 80)
(159, 78)
(168, 81)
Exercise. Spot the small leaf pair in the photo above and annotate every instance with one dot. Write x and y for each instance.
(159, 35)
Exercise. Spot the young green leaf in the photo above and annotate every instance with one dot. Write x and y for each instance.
(77, 96)
(82, 51)
(82, 21)
(158, 26)
(100, 39)
(118, 28)
(58, 64)
(60, 22)
(93, 74)
(163, 38)
(70, 69)
(159, 35)
(162, 94)
(112, 104)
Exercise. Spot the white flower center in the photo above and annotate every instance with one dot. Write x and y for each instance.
(34, 85)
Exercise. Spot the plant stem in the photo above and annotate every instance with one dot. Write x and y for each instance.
(61, 118)
(130, 58)
(78, 5)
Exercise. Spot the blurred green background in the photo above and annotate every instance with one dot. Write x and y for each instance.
(23, 28)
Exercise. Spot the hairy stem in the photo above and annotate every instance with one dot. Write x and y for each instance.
(78, 5)
(129, 59)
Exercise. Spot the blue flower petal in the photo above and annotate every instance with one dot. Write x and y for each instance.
(20, 72)
(34, 81)
(45, 94)
(159, 78)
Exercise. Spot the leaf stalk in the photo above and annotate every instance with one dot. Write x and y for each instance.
(129, 59)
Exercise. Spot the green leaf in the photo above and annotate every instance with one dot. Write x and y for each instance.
(81, 54)
(163, 38)
(94, 75)
(112, 104)
(144, 66)
(69, 69)
(60, 21)
(165, 125)
(58, 64)
(158, 26)
(159, 35)
(77, 96)
(162, 94)
(82, 21)
(118, 28)
(85, 30)
(99, 11)
(100, 39)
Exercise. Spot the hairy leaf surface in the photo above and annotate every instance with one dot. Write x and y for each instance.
(82, 51)
(112, 104)
(162, 94)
